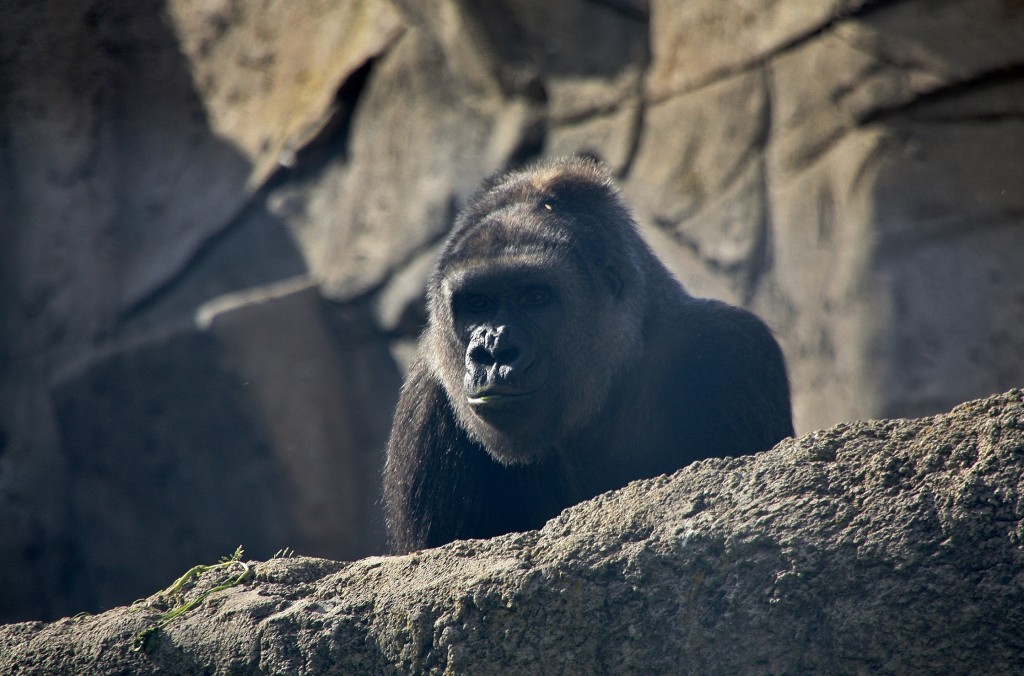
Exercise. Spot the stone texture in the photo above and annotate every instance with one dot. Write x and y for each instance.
(102, 133)
(269, 73)
(325, 395)
(109, 116)
(894, 546)
(550, 46)
(244, 431)
(699, 175)
(809, 168)
(931, 154)
(693, 43)
(465, 91)
(392, 188)
(166, 465)
(111, 132)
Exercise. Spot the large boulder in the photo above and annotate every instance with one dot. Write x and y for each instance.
(240, 430)
(893, 546)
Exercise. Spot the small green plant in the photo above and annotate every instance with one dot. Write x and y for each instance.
(143, 640)
(80, 616)
(285, 553)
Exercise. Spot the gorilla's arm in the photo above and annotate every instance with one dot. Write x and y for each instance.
(440, 485)
(427, 496)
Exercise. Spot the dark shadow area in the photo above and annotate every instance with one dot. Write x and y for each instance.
(133, 444)
(167, 471)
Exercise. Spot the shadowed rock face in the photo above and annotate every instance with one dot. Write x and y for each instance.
(848, 170)
(879, 547)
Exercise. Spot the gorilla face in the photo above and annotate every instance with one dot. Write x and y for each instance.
(535, 308)
(505, 321)
(501, 322)
(512, 339)
(509, 327)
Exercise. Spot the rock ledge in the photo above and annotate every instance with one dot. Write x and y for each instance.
(885, 546)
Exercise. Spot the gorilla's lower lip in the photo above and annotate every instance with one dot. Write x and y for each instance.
(497, 398)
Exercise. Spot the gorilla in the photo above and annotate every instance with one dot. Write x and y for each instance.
(561, 359)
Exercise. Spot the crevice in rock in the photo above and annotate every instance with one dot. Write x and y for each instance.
(999, 76)
(623, 8)
(639, 121)
(530, 145)
(795, 42)
(952, 229)
(866, 9)
(805, 161)
(248, 217)
(691, 244)
(329, 143)
(636, 135)
(760, 258)
(595, 112)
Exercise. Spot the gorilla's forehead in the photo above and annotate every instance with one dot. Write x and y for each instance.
(510, 242)
(523, 268)
(515, 230)
(517, 224)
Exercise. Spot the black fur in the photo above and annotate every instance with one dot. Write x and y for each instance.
(562, 360)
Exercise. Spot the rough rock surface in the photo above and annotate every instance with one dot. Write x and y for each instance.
(850, 170)
(894, 546)
(841, 169)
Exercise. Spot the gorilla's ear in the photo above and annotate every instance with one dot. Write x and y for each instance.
(613, 279)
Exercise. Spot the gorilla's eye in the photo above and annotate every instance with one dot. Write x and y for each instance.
(474, 302)
(534, 297)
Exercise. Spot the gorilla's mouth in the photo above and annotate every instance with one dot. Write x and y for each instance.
(498, 398)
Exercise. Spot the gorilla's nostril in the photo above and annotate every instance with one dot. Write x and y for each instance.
(481, 355)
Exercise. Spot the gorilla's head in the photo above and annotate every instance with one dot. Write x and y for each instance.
(535, 307)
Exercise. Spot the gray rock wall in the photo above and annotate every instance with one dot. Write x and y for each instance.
(892, 546)
(216, 219)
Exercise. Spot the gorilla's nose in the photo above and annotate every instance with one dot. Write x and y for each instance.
(497, 347)
(505, 356)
